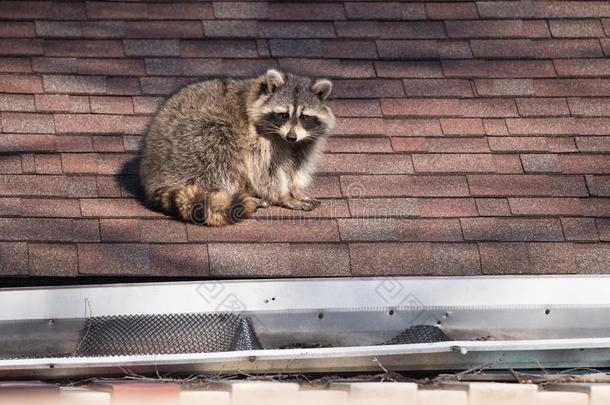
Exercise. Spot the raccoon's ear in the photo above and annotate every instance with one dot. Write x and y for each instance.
(274, 79)
(322, 88)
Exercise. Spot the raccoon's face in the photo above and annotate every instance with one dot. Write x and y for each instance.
(293, 108)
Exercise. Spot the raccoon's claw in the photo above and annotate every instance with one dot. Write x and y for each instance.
(260, 203)
(316, 203)
(303, 205)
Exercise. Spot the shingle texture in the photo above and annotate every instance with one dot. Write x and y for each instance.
(472, 137)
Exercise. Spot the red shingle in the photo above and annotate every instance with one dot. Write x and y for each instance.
(13, 259)
(46, 207)
(331, 67)
(16, 65)
(47, 185)
(462, 126)
(111, 105)
(536, 49)
(367, 88)
(27, 163)
(405, 69)
(511, 229)
(180, 11)
(532, 144)
(466, 163)
(10, 164)
(48, 164)
(122, 86)
(571, 87)
(163, 29)
(372, 163)
(412, 207)
(524, 258)
(592, 257)
(492, 207)
(88, 123)
(385, 11)
(142, 230)
(384, 259)
(27, 123)
(218, 48)
(579, 229)
(599, 185)
(152, 47)
(37, 229)
(20, 46)
(103, 29)
(532, 107)
(545, 206)
(384, 29)
(179, 260)
(582, 67)
(404, 185)
(16, 102)
(114, 259)
(527, 185)
(111, 67)
(437, 88)
(603, 227)
(278, 259)
(353, 108)
(292, 230)
(505, 258)
(101, 48)
(359, 145)
(576, 28)
(20, 84)
(497, 29)
(451, 11)
(408, 230)
(423, 49)
(593, 144)
(17, 29)
(498, 68)
(55, 65)
(414, 144)
(589, 106)
(596, 207)
(48, 259)
(74, 84)
(450, 107)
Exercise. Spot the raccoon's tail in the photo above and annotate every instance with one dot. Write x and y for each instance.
(202, 206)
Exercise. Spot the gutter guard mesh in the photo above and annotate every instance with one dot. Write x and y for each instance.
(166, 334)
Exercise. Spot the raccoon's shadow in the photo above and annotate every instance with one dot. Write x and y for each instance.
(128, 179)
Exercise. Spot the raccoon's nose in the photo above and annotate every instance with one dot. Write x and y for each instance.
(291, 137)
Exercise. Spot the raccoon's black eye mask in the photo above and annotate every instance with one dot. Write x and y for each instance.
(280, 116)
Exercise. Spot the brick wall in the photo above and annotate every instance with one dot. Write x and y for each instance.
(472, 137)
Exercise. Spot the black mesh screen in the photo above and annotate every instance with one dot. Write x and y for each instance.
(419, 334)
(166, 334)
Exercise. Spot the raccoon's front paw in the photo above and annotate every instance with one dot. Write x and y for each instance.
(302, 205)
(310, 200)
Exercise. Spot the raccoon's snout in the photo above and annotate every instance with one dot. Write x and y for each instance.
(291, 136)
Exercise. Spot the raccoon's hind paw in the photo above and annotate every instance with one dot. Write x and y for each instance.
(260, 203)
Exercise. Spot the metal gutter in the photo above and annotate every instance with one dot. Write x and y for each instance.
(529, 322)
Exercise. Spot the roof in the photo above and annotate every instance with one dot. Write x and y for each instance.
(472, 138)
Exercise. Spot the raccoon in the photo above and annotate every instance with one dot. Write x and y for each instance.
(219, 150)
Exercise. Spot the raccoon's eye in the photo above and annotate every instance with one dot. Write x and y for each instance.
(306, 117)
(284, 115)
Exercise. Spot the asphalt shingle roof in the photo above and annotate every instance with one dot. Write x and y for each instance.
(472, 137)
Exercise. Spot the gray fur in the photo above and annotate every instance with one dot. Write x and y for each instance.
(218, 135)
